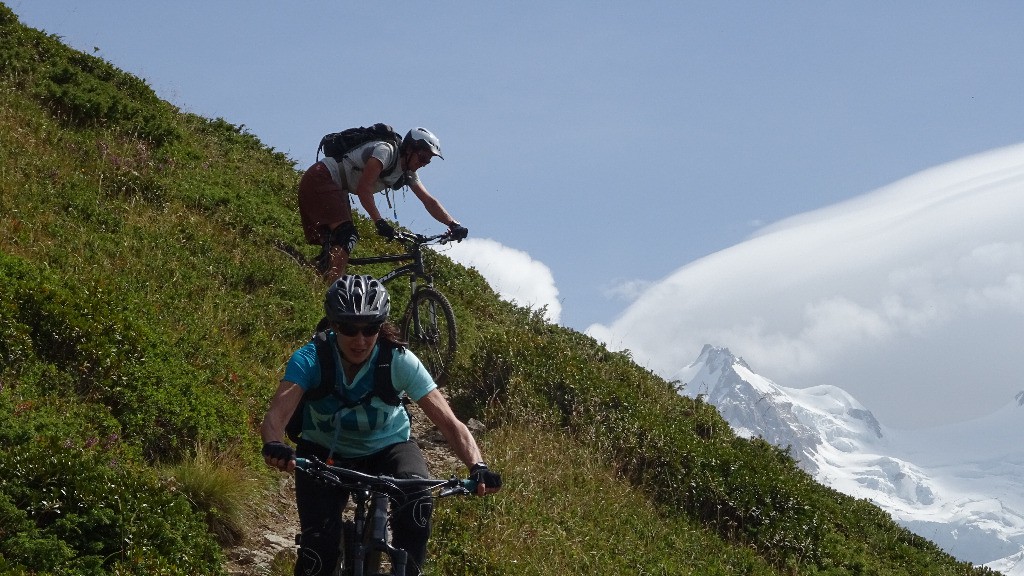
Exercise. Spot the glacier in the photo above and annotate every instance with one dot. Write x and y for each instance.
(960, 485)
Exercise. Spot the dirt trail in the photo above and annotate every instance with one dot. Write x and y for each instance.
(275, 532)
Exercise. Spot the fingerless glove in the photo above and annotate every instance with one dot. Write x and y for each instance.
(384, 229)
(459, 232)
(278, 451)
(480, 473)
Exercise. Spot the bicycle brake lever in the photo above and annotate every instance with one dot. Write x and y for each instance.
(466, 486)
(460, 490)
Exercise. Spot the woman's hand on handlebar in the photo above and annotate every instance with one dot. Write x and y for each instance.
(279, 455)
(487, 481)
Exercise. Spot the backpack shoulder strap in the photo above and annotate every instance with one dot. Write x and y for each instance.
(395, 160)
(325, 358)
(383, 386)
(388, 135)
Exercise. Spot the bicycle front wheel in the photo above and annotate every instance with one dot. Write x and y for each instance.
(429, 328)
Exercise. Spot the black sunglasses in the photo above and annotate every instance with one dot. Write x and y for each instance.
(351, 330)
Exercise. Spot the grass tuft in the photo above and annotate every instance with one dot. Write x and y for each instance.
(220, 487)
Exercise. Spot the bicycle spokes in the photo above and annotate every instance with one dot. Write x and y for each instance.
(429, 328)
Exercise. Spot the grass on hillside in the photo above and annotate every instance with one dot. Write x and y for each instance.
(564, 512)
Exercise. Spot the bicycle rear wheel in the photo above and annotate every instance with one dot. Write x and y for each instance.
(429, 328)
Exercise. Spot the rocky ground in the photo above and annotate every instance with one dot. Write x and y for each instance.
(273, 534)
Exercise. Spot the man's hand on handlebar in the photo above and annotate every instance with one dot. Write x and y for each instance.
(458, 231)
(384, 229)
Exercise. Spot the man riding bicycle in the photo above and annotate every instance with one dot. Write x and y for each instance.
(356, 429)
(324, 188)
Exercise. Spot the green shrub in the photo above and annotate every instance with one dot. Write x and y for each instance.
(81, 89)
(94, 353)
(78, 512)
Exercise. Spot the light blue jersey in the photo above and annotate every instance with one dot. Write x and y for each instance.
(368, 426)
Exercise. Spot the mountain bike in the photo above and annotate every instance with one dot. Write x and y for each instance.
(364, 542)
(428, 324)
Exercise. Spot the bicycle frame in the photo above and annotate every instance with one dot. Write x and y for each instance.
(371, 495)
(414, 269)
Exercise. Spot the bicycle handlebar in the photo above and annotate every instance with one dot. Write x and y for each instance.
(420, 239)
(346, 478)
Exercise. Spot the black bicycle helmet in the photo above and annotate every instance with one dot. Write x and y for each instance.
(358, 299)
(422, 139)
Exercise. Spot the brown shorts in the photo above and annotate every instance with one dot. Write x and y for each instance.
(322, 203)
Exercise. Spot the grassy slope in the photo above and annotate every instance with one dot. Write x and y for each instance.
(144, 312)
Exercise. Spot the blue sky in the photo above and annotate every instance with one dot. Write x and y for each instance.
(606, 145)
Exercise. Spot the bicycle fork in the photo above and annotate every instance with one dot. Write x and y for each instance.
(376, 540)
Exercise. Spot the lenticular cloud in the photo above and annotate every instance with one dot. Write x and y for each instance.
(910, 297)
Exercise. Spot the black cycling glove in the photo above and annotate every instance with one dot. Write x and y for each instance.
(384, 229)
(481, 474)
(278, 451)
(459, 232)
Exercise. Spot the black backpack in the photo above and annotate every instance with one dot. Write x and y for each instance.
(383, 388)
(337, 144)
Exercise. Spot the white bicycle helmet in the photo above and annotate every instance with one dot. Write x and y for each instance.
(422, 139)
(357, 299)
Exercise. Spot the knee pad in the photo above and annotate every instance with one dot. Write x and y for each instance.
(345, 235)
(318, 551)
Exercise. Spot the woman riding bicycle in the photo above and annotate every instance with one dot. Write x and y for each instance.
(359, 431)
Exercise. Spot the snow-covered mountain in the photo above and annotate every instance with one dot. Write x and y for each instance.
(961, 486)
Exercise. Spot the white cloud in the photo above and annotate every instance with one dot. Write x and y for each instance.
(512, 273)
(627, 290)
(910, 297)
